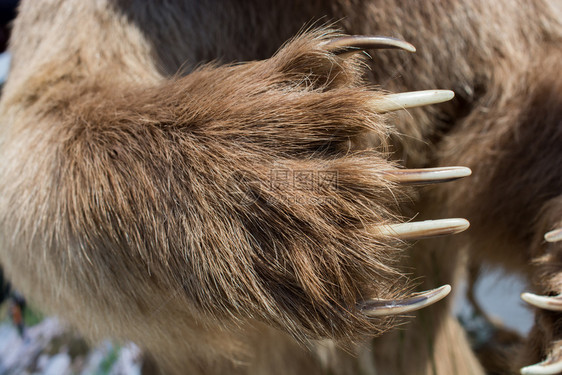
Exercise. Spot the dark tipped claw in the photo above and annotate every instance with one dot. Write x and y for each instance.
(382, 307)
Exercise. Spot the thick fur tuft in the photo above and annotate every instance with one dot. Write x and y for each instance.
(230, 194)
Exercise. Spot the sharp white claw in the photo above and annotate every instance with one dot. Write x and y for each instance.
(352, 44)
(394, 102)
(424, 229)
(381, 307)
(543, 302)
(550, 366)
(554, 235)
(427, 175)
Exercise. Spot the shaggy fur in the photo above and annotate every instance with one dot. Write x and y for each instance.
(224, 217)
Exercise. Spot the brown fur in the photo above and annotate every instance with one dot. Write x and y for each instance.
(124, 186)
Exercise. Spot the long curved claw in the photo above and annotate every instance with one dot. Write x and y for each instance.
(425, 176)
(394, 102)
(554, 235)
(543, 302)
(382, 307)
(352, 44)
(424, 229)
(552, 365)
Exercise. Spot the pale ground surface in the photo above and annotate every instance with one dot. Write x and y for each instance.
(48, 349)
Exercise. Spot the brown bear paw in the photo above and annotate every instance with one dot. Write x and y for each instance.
(318, 207)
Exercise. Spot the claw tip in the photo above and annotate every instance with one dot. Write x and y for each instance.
(553, 235)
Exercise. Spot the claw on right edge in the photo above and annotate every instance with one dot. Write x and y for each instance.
(382, 307)
(425, 229)
(427, 175)
(550, 366)
(554, 235)
(543, 302)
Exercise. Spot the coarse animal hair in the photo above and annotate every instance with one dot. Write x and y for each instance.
(223, 215)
